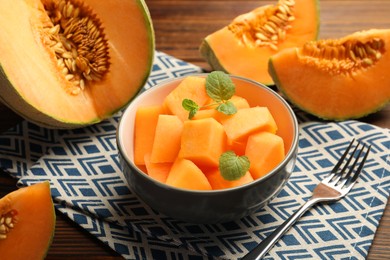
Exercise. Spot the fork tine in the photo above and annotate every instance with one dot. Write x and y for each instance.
(356, 160)
(336, 169)
(348, 181)
(357, 173)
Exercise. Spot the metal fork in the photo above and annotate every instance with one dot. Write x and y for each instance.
(333, 187)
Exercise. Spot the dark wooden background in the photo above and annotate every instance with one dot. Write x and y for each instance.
(179, 28)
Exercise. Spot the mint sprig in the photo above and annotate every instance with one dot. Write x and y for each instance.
(228, 108)
(190, 106)
(232, 166)
(220, 88)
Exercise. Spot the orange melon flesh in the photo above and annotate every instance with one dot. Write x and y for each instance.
(247, 121)
(330, 94)
(144, 130)
(167, 138)
(31, 236)
(202, 141)
(191, 87)
(217, 182)
(224, 51)
(33, 86)
(186, 175)
(210, 111)
(158, 171)
(265, 151)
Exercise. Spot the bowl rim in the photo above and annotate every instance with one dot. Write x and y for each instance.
(286, 160)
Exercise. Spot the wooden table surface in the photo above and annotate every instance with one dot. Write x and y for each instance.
(179, 28)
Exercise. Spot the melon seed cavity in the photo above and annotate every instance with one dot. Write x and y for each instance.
(268, 27)
(7, 222)
(342, 56)
(76, 37)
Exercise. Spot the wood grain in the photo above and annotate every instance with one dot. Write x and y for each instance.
(180, 27)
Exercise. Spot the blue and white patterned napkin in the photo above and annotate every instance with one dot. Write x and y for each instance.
(88, 186)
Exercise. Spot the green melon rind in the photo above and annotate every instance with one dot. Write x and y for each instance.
(13, 100)
(280, 86)
(208, 54)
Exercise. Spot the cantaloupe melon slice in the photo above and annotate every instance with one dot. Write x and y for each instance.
(64, 73)
(244, 46)
(336, 79)
(28, 222)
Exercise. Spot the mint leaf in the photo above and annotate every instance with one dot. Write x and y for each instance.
(227, 108)
(219, 86)
(233, 167)
(190, 106)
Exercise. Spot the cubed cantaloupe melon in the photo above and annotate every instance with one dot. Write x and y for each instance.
(185, 153)
(265, 151)
(167, 139)
(202, 141)
(248, 121)
(210, 111)
(158, 171)
(191, 87)
(217, 182)
(144, 128)
(186, 175)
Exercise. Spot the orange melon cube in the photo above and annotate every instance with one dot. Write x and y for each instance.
(239, 102)
(202, 141)
(248, 121)
(167, 139)
(210, 111)
(217, 182)
(142, 168)
(158, 171)
(206, 113)
(191, 87)
(237, 146)
(265, 151)
(186, 175)
(145, 124)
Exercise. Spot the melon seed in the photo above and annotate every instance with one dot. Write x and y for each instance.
(343, 56)
(75, 35)
(268, 30)
(7, 221)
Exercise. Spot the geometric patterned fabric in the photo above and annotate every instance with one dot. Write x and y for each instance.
(88, 186)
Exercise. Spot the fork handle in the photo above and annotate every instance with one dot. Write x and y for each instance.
(261, 249)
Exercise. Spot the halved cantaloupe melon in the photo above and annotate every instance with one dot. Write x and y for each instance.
(71, 63)
(27, 222)
(336, 79)
(245, 45)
